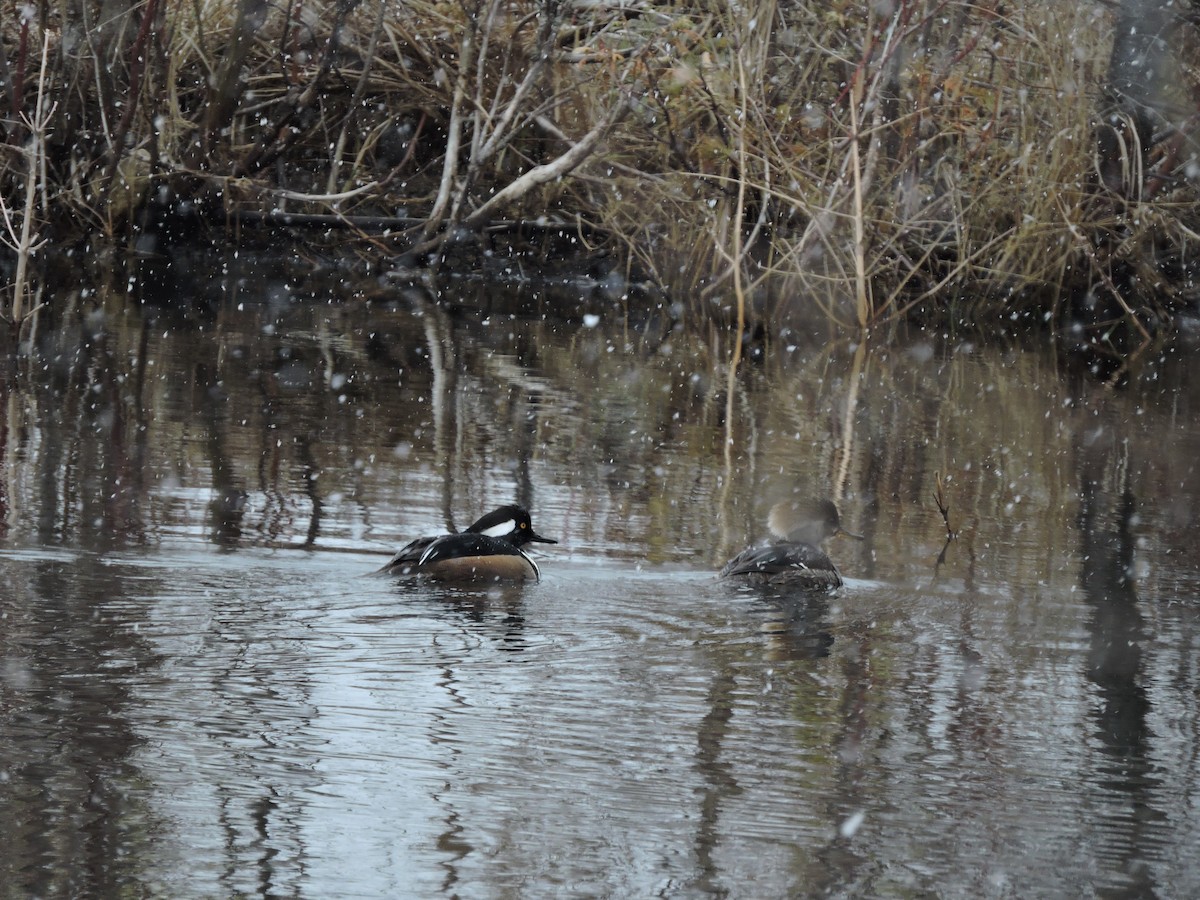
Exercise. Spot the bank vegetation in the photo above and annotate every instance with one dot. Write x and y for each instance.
(755, 162)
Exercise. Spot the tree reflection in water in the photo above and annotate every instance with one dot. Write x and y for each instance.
(199, 696)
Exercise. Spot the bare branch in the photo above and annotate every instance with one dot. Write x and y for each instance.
(557, 168)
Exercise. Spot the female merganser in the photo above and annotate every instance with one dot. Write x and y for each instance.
(797, 559)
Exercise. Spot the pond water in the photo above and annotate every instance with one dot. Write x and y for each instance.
(205, 693)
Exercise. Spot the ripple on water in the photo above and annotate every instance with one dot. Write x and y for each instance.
(608, 731)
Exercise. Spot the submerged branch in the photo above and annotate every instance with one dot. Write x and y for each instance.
(939, 499)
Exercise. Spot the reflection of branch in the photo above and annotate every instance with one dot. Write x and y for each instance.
(444, 364)
(312, 473)
(847, 452)
(939, 498)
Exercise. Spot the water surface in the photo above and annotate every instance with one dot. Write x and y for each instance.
(204, 692)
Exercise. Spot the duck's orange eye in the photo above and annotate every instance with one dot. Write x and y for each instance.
(523, 525)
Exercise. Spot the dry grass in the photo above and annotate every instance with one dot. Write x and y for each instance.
(852, 161)
(942, 155)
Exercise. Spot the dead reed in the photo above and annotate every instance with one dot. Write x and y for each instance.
(765, 162)
(932, 157)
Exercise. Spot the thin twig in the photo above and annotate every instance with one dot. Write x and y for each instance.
(939, 498)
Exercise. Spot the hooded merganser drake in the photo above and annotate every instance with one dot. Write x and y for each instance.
(797, 559)
(489, 550)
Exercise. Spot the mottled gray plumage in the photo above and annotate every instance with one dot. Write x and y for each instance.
(797, 558)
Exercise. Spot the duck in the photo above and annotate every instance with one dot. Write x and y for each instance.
(796, 559)
(489, 550)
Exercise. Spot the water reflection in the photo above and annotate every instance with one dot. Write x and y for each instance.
(203, 692)
(68, 739)
(496, 612)
(1127, 783)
